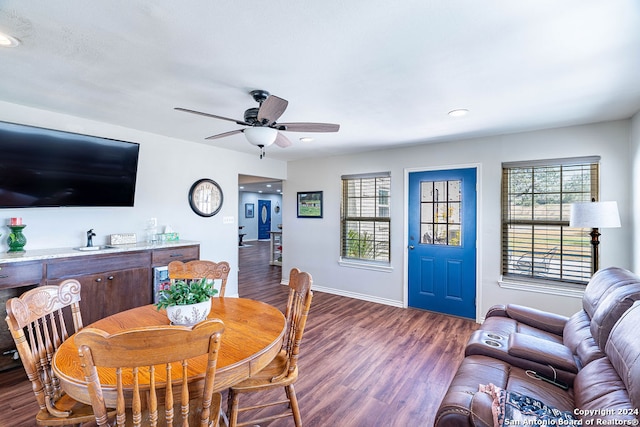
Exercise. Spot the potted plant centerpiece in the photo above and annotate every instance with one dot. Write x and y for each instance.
(187, 301)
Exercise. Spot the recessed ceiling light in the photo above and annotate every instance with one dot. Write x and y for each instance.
(460, 112)
(8, 41)
(306, 139)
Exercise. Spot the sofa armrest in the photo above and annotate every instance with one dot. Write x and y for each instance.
(544, 320)
(542, 351)
(499, 310)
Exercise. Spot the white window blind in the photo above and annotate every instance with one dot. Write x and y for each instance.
(537, 241)
(365, 217)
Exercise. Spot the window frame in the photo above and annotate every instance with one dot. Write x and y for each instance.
(569, 262)
(381, 199)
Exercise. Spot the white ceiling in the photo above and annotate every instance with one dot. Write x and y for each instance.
(387, 72)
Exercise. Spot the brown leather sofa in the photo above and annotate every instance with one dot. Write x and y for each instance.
(587, 364)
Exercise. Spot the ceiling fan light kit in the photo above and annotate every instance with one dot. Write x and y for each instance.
(261, 136)
(262, 129)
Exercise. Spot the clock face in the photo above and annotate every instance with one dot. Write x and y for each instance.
(205, 197)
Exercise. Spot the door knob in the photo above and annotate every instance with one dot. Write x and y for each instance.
(411, 247)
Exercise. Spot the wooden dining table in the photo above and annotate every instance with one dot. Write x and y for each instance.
(252, 338)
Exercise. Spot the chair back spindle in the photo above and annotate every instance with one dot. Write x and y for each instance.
(135, 356)
(283, 370)
(199, 269)
(38, 322)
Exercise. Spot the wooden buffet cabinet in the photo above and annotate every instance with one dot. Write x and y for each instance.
(112, 280)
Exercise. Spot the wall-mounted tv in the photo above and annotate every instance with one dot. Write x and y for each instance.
(49, 168)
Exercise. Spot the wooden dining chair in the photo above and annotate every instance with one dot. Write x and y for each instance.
(135, 354)
(283, 370)
(39, 321)
(199, 269)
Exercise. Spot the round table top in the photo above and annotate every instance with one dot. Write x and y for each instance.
(252, 338)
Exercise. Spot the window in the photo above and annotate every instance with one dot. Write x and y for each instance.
(537, 241)
(365, 217)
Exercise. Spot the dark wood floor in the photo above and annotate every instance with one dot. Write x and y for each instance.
(361, 364)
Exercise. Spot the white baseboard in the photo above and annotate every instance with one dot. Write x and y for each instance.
(355, 295)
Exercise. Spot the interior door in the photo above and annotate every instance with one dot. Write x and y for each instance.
(442, 241)
(264, 219)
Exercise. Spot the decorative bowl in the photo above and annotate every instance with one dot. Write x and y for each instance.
(190, 314)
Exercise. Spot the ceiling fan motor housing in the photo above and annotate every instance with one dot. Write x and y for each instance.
(251, 116)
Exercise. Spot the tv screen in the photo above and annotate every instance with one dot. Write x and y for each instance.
(47, 168)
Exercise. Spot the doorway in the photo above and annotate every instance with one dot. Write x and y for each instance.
(442, 241)
(253, 220)
(264, 219)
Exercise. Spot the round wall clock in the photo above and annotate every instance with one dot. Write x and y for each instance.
(205, 197)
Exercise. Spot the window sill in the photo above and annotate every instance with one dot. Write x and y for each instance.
(365, 265)
(542, 287)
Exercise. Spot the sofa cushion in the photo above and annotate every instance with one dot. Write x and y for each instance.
(464, 405)
(611, 308)
(510, 408)
(577, 337)
(600, 393)
(623, 351)
(603, 282)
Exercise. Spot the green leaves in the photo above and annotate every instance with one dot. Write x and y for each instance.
(184, 292)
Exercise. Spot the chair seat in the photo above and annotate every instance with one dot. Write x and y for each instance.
(264, 378)
(80, 413)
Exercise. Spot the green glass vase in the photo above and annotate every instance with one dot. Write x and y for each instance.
(16, 239)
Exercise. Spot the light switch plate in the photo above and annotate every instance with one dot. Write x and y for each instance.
(228, 220)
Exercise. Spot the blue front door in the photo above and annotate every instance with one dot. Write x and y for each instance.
(264, 219)
(442, 241)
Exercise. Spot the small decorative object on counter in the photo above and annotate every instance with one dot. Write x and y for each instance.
(15, 221)
(16, 239)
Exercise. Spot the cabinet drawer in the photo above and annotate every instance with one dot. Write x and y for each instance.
(19, 274)
(161, 257)
(77, 266)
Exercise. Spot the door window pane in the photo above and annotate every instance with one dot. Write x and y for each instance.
(440, 217)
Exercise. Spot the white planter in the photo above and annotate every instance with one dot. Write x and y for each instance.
(189, 314)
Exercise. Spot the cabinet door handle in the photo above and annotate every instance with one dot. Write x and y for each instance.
(175, 255)
(3, 276)
(110, 278)
(99, 279)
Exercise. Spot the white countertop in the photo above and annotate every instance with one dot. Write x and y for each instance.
(42, 254)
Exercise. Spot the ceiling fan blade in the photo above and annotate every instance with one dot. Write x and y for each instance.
(282, 141)
(308, 127)
(222, 135)
(271, 109)
(200, 113)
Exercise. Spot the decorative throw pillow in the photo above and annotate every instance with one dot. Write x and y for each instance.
(510, 408)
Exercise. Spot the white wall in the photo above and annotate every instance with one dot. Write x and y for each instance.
(635, 191)
(251, 224)
(167, 168)
(313, 244)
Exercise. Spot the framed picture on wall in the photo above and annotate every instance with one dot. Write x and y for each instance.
(310, 204)
(248, 210)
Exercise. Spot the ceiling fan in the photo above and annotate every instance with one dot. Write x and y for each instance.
(263, 130)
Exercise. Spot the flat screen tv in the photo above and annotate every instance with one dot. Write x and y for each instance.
(50, 168)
